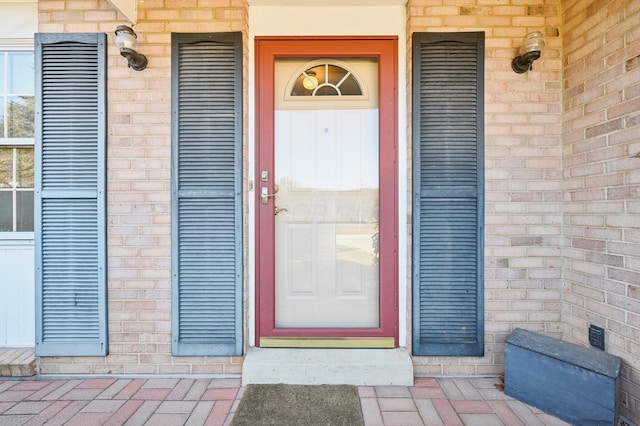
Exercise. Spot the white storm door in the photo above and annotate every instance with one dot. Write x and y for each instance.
(326, 192)
(327, 210)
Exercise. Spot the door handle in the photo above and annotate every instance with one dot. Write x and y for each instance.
(264, 194)
(277, 210)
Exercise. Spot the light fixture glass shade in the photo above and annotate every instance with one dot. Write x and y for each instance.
(532, 42)
(126, 38)
(126, 41)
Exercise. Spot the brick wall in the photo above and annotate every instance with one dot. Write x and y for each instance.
(139, 198)
(535, 155)
(523, 185)
(523, 170)
(601, 155)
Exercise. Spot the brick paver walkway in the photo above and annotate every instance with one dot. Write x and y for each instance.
(184, 401)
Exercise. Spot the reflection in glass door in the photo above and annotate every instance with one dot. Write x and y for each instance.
(327, 200)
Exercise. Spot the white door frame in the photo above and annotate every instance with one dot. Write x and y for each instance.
(344, 18)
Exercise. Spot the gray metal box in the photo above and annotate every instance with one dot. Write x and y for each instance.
(574, 383)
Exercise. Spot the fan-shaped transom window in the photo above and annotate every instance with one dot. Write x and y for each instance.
(326, 80)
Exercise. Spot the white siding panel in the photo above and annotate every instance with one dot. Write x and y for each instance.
(17, 317)
(18, 19)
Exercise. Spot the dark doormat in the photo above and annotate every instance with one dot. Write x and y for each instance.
(299, 405)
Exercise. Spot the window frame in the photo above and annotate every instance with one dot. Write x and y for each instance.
(17, 45)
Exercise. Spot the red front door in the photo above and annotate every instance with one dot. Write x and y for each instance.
(326, 192)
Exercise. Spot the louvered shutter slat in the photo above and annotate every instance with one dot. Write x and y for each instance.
(70, 195)
(207, 179)
(448, 201)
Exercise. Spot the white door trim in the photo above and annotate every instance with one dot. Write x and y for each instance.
(383, 18)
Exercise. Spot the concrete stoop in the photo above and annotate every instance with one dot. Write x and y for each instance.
(361, 367)
(18, 362)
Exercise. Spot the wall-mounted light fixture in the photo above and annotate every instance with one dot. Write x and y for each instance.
(529, 52)
(127, 42)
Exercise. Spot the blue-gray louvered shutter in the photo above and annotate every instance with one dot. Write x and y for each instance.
(207, 194)
(448, 133)
(70, 214)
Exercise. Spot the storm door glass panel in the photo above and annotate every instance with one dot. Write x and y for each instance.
(326, 228)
